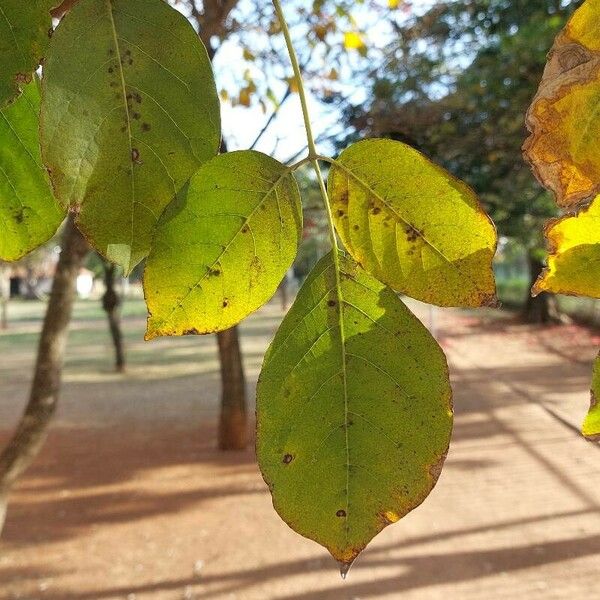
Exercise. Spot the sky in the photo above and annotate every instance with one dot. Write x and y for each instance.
(286, 136)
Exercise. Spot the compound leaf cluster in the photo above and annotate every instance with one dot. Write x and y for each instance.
(563, 151)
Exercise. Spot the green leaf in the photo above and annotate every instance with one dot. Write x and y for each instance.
(224, 246)
(354, 410)
(591, 425)
(574, 244)
(412, 225)
(25, 27)
(29, 214)
(129, 112)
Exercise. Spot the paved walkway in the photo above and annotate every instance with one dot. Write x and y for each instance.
(154, 512)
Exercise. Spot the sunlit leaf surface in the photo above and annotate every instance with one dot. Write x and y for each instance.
(29, 214)
(574, 260)
(354, 410)
(129, 112)
(224, 246)
(412, 225)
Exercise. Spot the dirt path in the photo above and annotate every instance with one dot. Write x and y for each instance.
(152, 511)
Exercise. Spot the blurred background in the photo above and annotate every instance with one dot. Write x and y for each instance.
(147, 486)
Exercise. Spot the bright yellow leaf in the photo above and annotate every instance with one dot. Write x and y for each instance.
(353, 40)
(574, 244)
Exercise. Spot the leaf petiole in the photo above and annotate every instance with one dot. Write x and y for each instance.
(313, 157)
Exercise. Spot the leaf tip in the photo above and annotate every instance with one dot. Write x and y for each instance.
(345, 567)
(151, 332)
(492, 301)
(541, 285)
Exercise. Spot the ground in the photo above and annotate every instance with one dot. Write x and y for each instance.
(130, 499)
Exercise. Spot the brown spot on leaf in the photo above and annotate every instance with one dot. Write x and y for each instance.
(572, 56)
(135, 156)
(340, 513)
(287, 459)
(146, 127)
(23, 77)
(331, 303)
(412, 235)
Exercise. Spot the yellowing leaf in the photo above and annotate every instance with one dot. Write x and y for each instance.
(412, 225)
(129, 112)
(29, 214)
(321, 31)
(25, 27)
(293, 84)
(245, 96)
(354, 410)
(563, 118)
(353, 40)
(574, 260)
(223, 247)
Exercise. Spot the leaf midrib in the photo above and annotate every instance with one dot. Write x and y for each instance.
(344, 370)
(129, 136)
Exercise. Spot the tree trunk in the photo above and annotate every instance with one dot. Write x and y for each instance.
(33, 428)
(4, 295)
(111, 303)
(233, 424)
(542, 308)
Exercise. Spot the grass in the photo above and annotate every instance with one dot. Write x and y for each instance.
(90, 350)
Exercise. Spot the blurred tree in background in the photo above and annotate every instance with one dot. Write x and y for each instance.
(456, 83)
